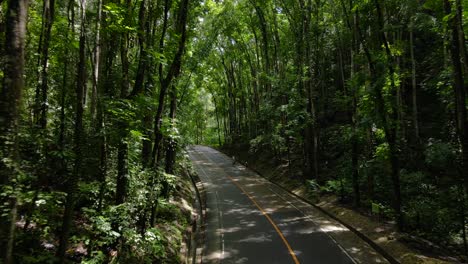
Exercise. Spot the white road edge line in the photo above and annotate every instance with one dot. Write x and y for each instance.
(312, 220)
(221, 226)
(259, 178)
(217, 207)
(269, 184)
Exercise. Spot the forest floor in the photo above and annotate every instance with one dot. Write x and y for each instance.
(404, 248)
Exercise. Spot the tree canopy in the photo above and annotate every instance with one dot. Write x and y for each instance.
(366, 99)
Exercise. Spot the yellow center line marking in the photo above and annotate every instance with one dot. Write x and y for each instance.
(291, 252)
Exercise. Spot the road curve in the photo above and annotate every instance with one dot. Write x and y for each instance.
(250, 220)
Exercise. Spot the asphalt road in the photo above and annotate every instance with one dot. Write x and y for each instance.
(250, 220)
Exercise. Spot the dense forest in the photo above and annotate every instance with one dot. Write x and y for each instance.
(99, 99)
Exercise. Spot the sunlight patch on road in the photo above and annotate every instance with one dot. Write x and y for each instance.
(333, 228)
(230, 230)
(256, 238)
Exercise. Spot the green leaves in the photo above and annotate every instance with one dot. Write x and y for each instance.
(119, 19)
(158, 57)
(440, 155)
(434, 5)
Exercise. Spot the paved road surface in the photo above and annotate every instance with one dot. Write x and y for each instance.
(250, 220)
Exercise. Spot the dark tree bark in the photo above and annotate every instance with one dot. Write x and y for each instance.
(308, 91)
(13, 81)
(47, 22)
(165, 82)
(218, 125)
(105, 54)
(414, 86)
(96, 63)
(162, 91)
(143, 60)
(352, 112)
(73, 181)
(265, 43)
(459, 91)
(173, 72)
(10, 102)
(122, 148)
(122, 173)
(142, 84)
(171, 145)
(389, 123)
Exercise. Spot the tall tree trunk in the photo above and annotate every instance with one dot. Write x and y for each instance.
(142, 60)
(461, 37)
(265, 43)
(354, 119)
(351, 22)
(72, 183)
(173, 71)
(218, 125)
(171, 141)
(122, 148)
(145, 40)
(311, 130)
(98, 92)
(97, 63)
(414, 86)
(48, 20)
(122, 172)
(390, 125)
(459, 91)
(165, 82)
(162, 91)
(10, 102)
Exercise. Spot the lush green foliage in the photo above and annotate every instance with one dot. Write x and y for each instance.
(358, 98)
(362, 98)
(96, 134)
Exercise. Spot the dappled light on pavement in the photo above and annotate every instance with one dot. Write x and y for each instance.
(250, 220)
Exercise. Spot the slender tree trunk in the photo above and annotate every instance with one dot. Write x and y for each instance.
(49, 11)
(265, 43)
(218, 127)
(145, 38)
(42, 92)
(40, 108)
(461, 37)
(352, 115)
(414, 85)
(390, 124)
(72, 184)
(162, 91)
(122, 173)
(122, 148)
(311, 130)
(173, 72)
(63, 92)
(102, 155)
(97, 63)
(314, 68)
(171, 141)
(354, 119)
(99, 91)
(165, 82)
(459, 91)
(143, 60)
